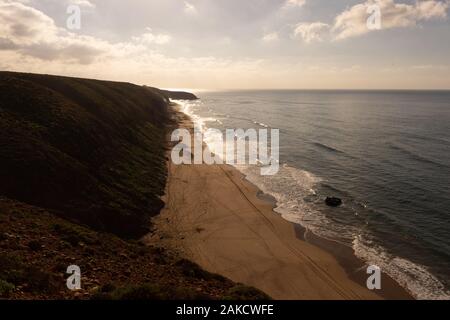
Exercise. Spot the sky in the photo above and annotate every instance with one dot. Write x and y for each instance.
(233, 44)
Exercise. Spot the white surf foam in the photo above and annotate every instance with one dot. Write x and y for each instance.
(261, 124)
(413, 277)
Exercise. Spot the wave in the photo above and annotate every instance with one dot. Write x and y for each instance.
(328, 148)
(415, 278)
(439, 140)
(261, 124)
(415, 156)
(245, 102)
(188, 106)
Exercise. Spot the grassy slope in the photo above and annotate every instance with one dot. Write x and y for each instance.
(91, 151)
(82, 165)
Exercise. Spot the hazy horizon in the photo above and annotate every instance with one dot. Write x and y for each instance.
(230, 45)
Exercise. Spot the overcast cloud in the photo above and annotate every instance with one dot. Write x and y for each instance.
(231, 43)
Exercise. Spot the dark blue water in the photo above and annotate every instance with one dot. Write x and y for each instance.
(386, 154)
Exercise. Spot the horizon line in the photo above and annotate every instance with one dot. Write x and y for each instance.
(300, 89)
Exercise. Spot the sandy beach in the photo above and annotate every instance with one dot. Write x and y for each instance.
(218, 219)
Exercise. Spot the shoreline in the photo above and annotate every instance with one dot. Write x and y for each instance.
(237, 233)
(345, 256)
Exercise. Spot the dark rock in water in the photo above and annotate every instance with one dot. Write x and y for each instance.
(333, 202)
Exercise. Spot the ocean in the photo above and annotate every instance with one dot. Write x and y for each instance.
(385, 153)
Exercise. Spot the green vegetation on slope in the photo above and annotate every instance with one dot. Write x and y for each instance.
(92, 151)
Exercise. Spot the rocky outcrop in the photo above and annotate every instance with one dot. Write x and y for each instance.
(333, 202)
(179, 95)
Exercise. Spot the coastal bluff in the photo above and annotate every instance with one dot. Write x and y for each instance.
(83, 168)
(179, 95)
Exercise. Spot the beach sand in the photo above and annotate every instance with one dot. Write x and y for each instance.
(215, 217)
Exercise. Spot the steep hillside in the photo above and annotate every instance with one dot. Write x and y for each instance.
(88, 150)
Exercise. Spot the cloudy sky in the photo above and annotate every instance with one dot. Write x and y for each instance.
(226, 44)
